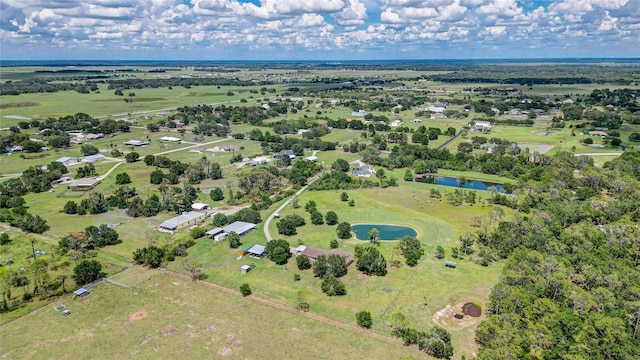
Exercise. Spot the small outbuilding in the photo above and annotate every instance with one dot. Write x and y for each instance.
(93, 158)
(82, 292)
(84, 184)
(246, 268)
(244, 250)
(257, 251)
(451, 264)
(136, 143)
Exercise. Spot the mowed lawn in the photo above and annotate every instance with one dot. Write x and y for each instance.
(168, 317)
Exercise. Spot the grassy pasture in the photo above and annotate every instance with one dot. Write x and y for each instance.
(173, 317)
(436, 223)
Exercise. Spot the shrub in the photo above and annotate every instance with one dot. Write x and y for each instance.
(123, 178)
(364, 319)
(332, 286)
(331, 218)
(245, 289)
(303, 262)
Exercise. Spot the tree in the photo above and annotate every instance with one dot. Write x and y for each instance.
(88, 149)
(364, 319)
(4, 239)
(245, 289)
(437, 343)
(234, 240)
(149, 160)
(336, 265)
(217, 194)
(615, 142)
(288, 224)
(193, 267)
(371, 262)
(248, 215)
(340, 165)
(439, 252)
(153, 127)
(412, 249)
(132, 157)
(408, 176)
(465, 148)
(587, 141)
(101, 236)
(333, 244)
(197, 232)
(344, 196)
(282, 255)
(344, 230)
(220, 219)
(331, 218)
(122, 179)
(215, 172)
(352, 202)
(332, 286)
(310, 206)
(374, 235)
(152, 256)
(316, 218)
(156, 177)
(279, 255)
(87, 271)
(301, 303)
(70, 207)
(303, 262)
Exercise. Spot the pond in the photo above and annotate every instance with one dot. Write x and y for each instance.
(387, 232)
(455, 182)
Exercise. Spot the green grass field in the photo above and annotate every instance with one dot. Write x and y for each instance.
(164, 316)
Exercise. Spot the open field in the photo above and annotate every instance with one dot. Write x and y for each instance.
(173, 317)
(401, 289)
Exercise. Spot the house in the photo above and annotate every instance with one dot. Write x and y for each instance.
(396, 123)
(257, 161)
(67, 160)
(200, 207)
(257, 251)
(224, 148)
(15, 148)
(136, 143)
(311, 158)
(568, 101)
(314, 253)
(170, 139)
(182, 221)
(359, 113)
(489, 147)
(451, 264)
(302, 131)
(481, 126)
(282, 153)
(364, 171)
(416, 121)
(602, 134)
(437, 109)
(93, 158)
(94, 136)
(84, 184)
(82, 292)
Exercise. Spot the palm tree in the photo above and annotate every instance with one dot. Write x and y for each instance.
(374, 235)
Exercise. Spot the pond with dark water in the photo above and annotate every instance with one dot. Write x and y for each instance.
(456, 182)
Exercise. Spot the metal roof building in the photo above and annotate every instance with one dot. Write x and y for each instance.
(239, 227)
(180, 221)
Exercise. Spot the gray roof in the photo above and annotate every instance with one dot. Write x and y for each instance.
(214, 231)
(80, 291)
(136, 142)
(94, 157)
(180, 219)
(239, 227)
(65, 159)
(257, 250)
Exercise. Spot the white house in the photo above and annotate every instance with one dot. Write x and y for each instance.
(481, 126)
(170, 139)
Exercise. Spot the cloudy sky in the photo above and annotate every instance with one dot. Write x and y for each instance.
(318, 29)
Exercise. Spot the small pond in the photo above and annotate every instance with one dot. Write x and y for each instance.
(455, 182)
(387, 232)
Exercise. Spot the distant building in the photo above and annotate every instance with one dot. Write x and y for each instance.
(283, 153)
(359, 113)
(364, 171)
(311, 158)
(94, 136)
(182, 221)
(239, 227)
(67, 160)
(481, 126)
(257, 161)
(314, 253)
(93, 158)
(200, 207)
(136, 143)
(170, 139)
(84, 184)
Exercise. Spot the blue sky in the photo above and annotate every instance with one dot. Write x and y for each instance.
(318, 29)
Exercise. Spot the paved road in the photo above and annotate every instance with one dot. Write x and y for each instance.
(284, 205)
(601, 154)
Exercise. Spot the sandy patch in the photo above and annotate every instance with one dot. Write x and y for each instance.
(225, 351)
(168, 330)
(454, 317)
(138, 315)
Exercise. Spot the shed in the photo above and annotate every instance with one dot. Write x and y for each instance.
(239, 227)
(84, 184)
(245, 269)
(93, 158)
(136, 143)
(67, 160)
(201, 207)
(451, 264)
(181, 221)
(245, 250)
(82, 292)
(257, 251)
